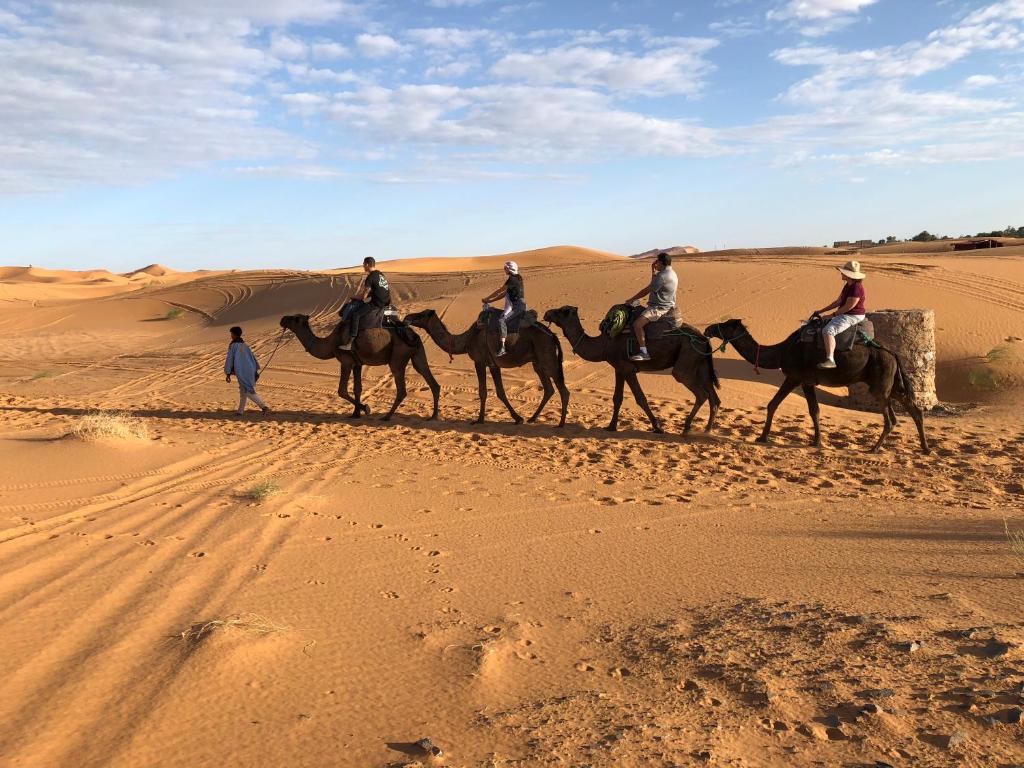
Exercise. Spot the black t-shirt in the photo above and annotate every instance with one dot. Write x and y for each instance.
(380, 291)
(514, 288)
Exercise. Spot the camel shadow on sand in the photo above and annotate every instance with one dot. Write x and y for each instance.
(508, 429)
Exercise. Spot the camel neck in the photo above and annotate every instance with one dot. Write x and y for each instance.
(323, 348)
(453, 345)
(768, 357)
(590, 348)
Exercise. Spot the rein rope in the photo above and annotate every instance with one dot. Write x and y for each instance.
(281, 340)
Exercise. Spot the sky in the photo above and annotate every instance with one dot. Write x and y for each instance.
(312, 133)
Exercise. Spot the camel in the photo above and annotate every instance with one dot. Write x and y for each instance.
(533, 344)
(687, 353)
(879, 368)
(373, 346)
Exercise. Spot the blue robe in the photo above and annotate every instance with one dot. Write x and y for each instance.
(242, 363)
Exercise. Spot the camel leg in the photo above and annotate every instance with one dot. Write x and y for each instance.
(620, 382)
(419, 363)
(918, 417)
(499, 388)
(346, 371)
(398, 373)
(699, 394)
(787, 386)
(563, 395)
(357, 388)
(714, 403)
(814, 410)
(481, 382)
(887, 424)
(549, 390)
(641, 400)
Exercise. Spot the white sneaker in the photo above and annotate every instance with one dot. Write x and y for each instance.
(640, 357)
(345, 347)
(827, 364)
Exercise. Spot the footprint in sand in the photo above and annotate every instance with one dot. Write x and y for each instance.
(388, 595)
(197, 554)
(582, 666)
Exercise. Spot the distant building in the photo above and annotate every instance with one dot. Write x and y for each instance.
(971, 245)
(853, 243)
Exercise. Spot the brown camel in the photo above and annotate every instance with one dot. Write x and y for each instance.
(687, 353)
(879, 368)
(534, 345)
(373, 346)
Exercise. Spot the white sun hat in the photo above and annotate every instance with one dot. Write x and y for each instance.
(852, 270)
(512, 267)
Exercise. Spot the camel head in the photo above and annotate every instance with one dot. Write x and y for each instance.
(727, 330)
(561, 315)
(420, 319)
(295, 322)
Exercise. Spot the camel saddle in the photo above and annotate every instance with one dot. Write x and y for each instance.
(389, 318)
(620, 319)
(489, 319)
(861, 333)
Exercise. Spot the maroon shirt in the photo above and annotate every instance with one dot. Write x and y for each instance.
(853, 290)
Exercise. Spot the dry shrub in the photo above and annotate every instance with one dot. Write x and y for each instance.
(248, 623)
(262, 491)
(116, 425)
(1016, 540)
(174, 313)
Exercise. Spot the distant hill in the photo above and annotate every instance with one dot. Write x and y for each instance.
(541, 257)
(676, 250)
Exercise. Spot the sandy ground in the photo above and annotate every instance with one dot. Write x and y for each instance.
(522, 595)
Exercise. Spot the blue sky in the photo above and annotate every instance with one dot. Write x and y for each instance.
(310, 133)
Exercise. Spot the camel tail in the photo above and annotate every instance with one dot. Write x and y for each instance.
(902, 379)
(714, 374)
(558, 353)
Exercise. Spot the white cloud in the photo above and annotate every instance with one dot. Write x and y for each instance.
(860, 107)
(520, 122)
(286, 47)
(818, 9)
(119, 95)
(677, 69)
(453, 3)
(451, 70)
(981, 81)
(450, 37)
(378, 46)
(330, 50)
(312, 172)
(259, 11)
(815, 18)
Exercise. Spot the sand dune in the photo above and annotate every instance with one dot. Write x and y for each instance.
(307, 590)
(541, 257)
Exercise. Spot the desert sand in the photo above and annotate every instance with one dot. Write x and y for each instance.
(306, 590)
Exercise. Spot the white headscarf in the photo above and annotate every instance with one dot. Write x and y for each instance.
(512, 267)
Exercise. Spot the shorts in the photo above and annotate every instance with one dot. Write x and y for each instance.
(840, 323)
(655, 313)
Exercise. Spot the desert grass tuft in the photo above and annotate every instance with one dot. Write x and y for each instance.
(1015, 539)
(116, 425)
(174, 313)
(262, 491)
(983, 379)
(40, 375)
(1002, 353)
(248, 623)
